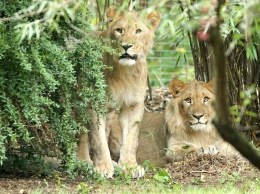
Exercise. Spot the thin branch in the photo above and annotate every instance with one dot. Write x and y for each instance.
(99, 12)
(203, 171)
(32, 13)
(150, 88)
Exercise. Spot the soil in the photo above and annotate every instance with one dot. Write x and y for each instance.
(212, 170)
(206, 170)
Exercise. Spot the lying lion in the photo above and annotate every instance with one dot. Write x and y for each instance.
(184, 131)
(189, 129)
(132, 36)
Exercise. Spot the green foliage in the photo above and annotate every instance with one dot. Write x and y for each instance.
(148, 166)
(162, 176)
(241, 21)
(238, 111)
(185, 147)
(48, 79)
(239, 26)
(171, 56)
(27, 165)
(83, 188)
(121, 176)
(233, 178)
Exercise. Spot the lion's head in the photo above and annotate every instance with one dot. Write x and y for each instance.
(191, 106)
(131, 34)
(189, 129)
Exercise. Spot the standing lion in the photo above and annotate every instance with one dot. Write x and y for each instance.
(132, 36)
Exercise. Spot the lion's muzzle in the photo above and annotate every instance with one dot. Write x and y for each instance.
(127, 59)
(127, 56)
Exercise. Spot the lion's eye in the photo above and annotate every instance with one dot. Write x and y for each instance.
(206, 99)
(188, 100)
(119, 30)
(138, 31)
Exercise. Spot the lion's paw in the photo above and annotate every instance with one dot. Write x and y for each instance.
(105, 168)
(135, 170)
(114, 163)
(240, 158)
(208, 150)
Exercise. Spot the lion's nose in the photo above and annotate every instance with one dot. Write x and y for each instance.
(126, 46)
(197, 116)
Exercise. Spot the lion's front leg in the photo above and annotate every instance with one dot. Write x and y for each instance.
(83, 148)
(99, 145)
(178, 153)
(115, 138)
(130, 119)
(179, 150)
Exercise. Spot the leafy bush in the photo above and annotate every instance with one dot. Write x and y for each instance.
(46, 79)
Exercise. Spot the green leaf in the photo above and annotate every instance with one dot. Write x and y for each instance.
(251, 114)
(42, 6)
(162, 177)
(37, 31)
(242, 95)
(69, 12)
(251, 52)
(246, 102)
(185, 147)
(223, 180)
(30, 31)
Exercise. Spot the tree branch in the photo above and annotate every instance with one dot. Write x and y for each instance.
(32, 13)
(223, 122)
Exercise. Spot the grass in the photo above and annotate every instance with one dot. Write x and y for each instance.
(156, 180)
(155, 187)
(148, 185)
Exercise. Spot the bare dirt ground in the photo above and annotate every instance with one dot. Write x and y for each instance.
(212, 170)
(203, 170)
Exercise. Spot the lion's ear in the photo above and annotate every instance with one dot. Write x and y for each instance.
(154, 18)
(175, 87)
(111, 13)
(209, 85)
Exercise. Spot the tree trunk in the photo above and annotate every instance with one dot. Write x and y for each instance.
(223, 121)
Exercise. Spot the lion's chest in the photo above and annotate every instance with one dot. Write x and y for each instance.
(127, 84)
(126, 92)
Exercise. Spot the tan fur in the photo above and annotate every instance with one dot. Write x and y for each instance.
(126, 82)
(151, 140)
(187, 138)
